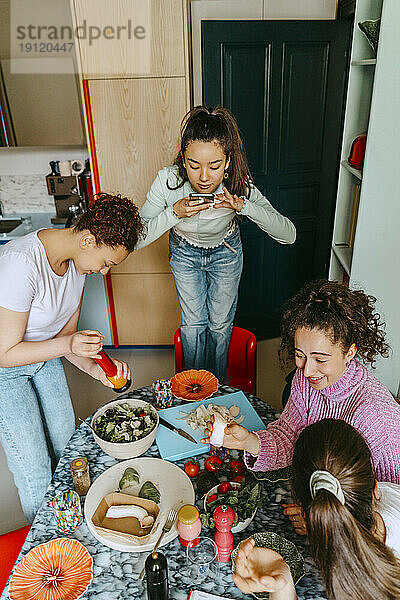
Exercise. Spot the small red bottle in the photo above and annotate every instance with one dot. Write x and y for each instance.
(224, 516)
(121, 384)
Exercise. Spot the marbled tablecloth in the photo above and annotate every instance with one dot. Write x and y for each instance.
(115, 574)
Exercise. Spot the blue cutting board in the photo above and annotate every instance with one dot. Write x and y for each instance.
(173, 446)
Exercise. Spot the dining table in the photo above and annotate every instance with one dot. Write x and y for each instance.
(116, 573)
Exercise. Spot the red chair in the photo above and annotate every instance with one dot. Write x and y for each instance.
(241, 358)
(10, 547)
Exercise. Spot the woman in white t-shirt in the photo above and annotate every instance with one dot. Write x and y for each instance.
(41, 282)
(353, 522)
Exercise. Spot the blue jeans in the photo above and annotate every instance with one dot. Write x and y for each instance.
(36, 422)
(207, 282)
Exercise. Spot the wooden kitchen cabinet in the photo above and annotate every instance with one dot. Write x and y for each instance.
(136, 128)
(151, 38)
(147, 308)
(135, 93)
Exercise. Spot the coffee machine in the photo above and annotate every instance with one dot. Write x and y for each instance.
(72, 190)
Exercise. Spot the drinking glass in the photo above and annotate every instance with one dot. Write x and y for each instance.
(202, 561)
(67, 511)
(162, 393)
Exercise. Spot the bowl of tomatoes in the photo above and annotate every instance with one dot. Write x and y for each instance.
(243, 497)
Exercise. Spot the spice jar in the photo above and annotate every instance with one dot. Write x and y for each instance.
(188, 525)
(80, 475)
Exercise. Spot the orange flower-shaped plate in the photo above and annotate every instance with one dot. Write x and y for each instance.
(194, 385)
(61, 569)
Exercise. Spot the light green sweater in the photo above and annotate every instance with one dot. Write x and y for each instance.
(208, 228)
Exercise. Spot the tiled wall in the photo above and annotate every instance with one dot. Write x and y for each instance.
(25, 193)
(23, 176)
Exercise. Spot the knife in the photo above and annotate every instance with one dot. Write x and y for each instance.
(177, 430)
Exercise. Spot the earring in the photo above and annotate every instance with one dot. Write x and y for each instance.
(226, 175)
(347, 364)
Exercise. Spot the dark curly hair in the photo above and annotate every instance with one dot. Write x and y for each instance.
(206, 125)
(113, 220)
(346, 316)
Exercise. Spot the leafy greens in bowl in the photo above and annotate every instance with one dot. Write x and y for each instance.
(125, 423)
(244, 498)
(125, 428)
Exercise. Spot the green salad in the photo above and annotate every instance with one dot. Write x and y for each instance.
(244, 501)
(124, 423)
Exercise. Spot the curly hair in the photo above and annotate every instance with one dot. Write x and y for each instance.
(206, 125)
(113, 220)
(346, 316)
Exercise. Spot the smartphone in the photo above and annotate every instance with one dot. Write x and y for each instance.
(207, 198)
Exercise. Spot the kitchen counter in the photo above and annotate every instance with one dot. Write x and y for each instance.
(37, 221)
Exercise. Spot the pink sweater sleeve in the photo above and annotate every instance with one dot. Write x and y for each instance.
(278, 440)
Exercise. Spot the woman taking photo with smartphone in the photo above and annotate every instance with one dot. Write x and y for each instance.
(42, 275)
(205, 246)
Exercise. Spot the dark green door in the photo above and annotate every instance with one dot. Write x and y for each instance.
(284, 81)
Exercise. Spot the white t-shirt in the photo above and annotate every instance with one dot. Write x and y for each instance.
(389, 509)
(28, 283)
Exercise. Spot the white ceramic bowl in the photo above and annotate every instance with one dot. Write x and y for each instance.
(124, 450)
(241, 526)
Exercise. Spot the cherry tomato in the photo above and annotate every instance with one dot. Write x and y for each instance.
(212, 498)
(224, 487)
(213, 463)
(192, 468)
(239, 478)
(237, 466)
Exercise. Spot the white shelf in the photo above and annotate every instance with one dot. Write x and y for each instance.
(364, 61)
(344, 254)
(356, 172)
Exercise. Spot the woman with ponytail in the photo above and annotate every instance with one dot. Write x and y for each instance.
(328, 329)
(353, 522)
(205, 247)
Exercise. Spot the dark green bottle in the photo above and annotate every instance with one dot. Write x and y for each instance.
(157, 576)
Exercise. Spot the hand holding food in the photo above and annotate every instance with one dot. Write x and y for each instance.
(235, 437)
(86, 343)
(227, 200)
(185, 207)
(263, 570)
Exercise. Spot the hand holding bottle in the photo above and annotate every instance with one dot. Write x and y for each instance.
(123, 373)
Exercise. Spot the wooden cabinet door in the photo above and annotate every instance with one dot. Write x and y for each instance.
(136, 129)
(146, 307)
(130, 38)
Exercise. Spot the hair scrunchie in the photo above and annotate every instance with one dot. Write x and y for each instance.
(323, 480)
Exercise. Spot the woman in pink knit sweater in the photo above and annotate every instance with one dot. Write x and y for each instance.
(325, 327)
